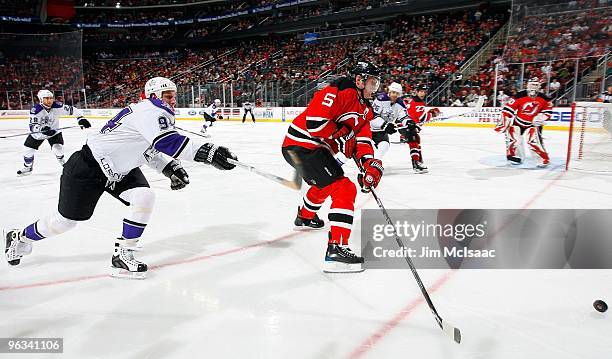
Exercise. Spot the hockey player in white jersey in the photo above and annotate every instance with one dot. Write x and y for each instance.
(109, 162)
(44, 125)
(388, 108)
(211, 114)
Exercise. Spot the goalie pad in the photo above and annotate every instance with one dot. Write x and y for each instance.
(514, 144)
(536, 144)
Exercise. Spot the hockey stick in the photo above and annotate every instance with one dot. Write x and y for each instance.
(34, 133)
(474, 110)
(447, 328)
(295, 184)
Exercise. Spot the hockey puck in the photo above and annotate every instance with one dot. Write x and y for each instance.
(600, 306)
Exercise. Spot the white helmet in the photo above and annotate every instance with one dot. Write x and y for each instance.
(44, 94)
(217, 102)
(395, 87)
(157, 85)
(533, 86)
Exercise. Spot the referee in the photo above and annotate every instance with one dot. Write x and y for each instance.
(247, 107)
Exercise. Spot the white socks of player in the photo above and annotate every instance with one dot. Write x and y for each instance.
(16, 247)
(123, 263)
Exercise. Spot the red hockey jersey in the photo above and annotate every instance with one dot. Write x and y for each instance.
(524, 108)
(334, 106)
(416, 109)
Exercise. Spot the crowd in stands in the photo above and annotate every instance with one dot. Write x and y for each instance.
(424, 49)
(545, 46)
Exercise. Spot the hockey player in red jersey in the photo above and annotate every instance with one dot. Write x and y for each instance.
(410, 126)
(524, 115)
(333, 129)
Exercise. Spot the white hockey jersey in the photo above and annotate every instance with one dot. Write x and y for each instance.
(40, 117)
(212, 110)
(385, 111)
(139, 134)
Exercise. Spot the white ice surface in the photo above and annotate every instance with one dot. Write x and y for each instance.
(230, 278)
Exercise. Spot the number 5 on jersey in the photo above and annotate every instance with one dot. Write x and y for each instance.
(328, 100)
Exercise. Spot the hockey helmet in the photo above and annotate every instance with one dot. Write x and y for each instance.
(157, 86)
(44, 94)
(366, 70)
(395, 87)
(533, 86)
(217, 102)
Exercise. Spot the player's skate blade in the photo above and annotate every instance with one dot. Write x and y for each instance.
(15, 248)
(126, 274)
(340, 259)
(123, 263)
(305, 224)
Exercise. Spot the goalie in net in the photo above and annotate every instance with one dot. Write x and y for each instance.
(589, 146)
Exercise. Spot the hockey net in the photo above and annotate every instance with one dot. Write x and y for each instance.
(589, 145)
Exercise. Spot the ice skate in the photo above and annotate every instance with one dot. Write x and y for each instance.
(25, 171)
(305, 224)
(419, 167)
(123, 263)
(15, 247)
(340, 259)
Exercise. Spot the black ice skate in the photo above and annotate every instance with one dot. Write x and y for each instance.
(123, 264)
(15, 247)
(340, 259)
(419, 167)
(302, 223)
(514, 160)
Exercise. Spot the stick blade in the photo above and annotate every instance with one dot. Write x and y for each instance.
(452, 331)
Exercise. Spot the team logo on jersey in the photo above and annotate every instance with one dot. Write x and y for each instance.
(530, 108)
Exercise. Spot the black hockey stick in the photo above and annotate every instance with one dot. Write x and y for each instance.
(295, 184)
(447, 328)
(38, 132)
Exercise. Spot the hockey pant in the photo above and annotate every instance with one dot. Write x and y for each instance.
(326, 179)
(514, 143)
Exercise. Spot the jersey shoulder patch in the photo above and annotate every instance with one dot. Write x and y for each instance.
(161, 104)
(57, 104)
(36, 109)
(382, 96)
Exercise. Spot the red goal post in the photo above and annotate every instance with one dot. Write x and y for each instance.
(589, 145)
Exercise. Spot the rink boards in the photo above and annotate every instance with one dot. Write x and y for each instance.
(486, 117)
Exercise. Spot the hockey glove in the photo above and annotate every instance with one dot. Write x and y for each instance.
(84, 123)
(372, 172)
(215, 155)
(177, 174)
(47, 131)
(389, 128)
(434, 112)
(504, 123)
(413, 126)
